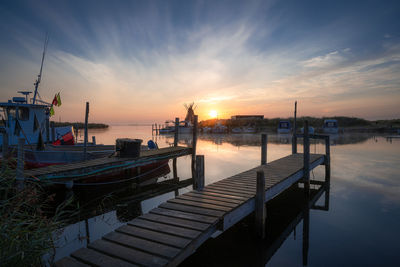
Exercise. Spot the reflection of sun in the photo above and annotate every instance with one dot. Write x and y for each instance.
(213, 114)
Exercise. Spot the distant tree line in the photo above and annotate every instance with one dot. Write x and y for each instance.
(260, 124)
(81, 125)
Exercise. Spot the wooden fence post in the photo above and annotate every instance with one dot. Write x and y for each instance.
(306, 157)
(5, 149)
(264, 140)
(176, 131)
(260, 211)
(20, 164)
(85, 138)
(198, 183)
(194, 145)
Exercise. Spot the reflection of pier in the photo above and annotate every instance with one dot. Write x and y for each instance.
(173, 231)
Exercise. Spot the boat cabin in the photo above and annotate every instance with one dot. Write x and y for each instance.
(23, 120)
(330, 126)
(284, 127)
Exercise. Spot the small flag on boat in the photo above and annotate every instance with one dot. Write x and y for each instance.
(58, 100)
(55, 101)
(51, 111)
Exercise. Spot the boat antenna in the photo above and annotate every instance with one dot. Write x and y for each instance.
(39, 78)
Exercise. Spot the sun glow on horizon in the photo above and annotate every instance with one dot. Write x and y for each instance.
(213, 114)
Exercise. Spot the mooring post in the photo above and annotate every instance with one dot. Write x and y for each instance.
(47, 130)
(53, 131)
(93, 140)
(20, 164)
(264, 140)
(306, 230)
(4, 149)
(176, 131)
(194, 145)
(198, 183)
(294, 137)
(85, 139)
(327, 159)
(306, 157)
(260, 211)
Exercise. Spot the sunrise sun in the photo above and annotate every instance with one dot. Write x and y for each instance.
(213, 114)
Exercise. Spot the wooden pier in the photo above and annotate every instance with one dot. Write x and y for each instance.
(175, 229)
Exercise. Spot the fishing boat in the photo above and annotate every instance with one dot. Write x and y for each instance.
(185, 126)
(29, 119)
(284, 127)
(330, 126)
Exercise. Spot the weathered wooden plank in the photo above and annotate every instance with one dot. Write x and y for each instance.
(190, 209)
(142, 244)
(176, 221)
(212, 197)
(165, 228)
(185, 215)
(69, 262)
(93, 257)
(231, 189)
(199, 204)
(128, 254)
(225, 196)
(166, 239)
(227, 192)
(207, 201)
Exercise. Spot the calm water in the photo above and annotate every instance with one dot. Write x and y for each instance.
(361, 227)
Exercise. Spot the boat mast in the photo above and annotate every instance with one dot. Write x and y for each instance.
(39, 78)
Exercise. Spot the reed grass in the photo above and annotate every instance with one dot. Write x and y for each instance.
(26, 230)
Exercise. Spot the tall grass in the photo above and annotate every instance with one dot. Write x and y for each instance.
(26, 232)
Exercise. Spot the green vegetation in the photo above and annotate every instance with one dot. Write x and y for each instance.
(81, 125)
(343, 122)
(26, 233)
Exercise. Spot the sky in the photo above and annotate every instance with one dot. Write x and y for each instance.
(141, 61)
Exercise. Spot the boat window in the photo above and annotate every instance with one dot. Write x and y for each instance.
(331, 124)
(284, 125)
(23, 113)
(11, 112)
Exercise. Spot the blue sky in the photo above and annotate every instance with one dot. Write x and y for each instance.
(142, 60)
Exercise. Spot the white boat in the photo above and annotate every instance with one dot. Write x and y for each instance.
(284, 127)
(219, 128)
(247, 129)
(330, 126)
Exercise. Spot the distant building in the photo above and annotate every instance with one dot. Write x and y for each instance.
(247, 117)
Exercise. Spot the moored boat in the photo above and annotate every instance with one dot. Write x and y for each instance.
(284, 127)
(330, 126)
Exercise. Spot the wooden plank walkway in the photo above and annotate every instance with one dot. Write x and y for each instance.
(171, 232)
(146, 157)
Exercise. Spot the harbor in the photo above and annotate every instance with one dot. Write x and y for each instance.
(173, 231)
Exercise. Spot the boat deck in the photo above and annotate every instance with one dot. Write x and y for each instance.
(87, 168)
(175, 229)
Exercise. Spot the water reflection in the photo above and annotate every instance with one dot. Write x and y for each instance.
(239, 247)
(99, 210)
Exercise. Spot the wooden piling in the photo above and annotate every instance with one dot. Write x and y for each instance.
(306, 155)
(4, 149)
(294, 137)
(20, 164)
(94, 140)
(260, 211)
(194, 145)
(327, 159)
(176, 131)
(85, 140)
(264, 140)
(199, 177)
